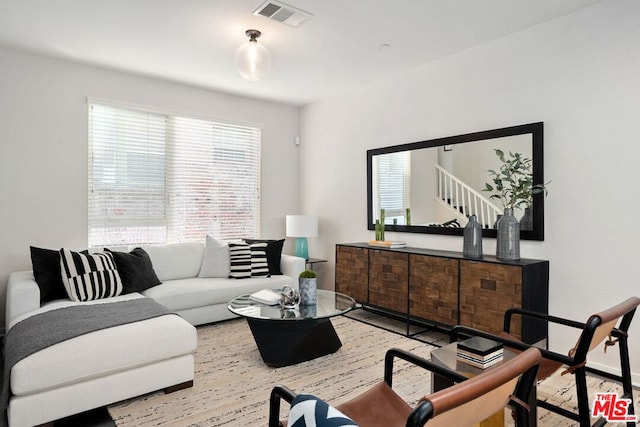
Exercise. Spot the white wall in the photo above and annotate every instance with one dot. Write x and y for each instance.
(580, 75)
(43, 148)
(423, 191)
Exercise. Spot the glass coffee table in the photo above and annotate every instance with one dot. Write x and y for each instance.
(286, 336)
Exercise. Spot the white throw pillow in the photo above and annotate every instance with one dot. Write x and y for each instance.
(176, 261)
(215, 262)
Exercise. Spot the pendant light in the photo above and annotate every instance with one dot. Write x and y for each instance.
(252, 59)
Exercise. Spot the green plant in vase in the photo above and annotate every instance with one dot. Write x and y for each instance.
(513, 185)
(308, 286)
(308, 274)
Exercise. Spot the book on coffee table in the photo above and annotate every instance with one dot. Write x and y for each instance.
(266, 296)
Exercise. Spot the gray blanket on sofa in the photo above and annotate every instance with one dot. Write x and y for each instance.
(46, 329)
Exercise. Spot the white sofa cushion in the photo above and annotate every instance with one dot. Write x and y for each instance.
(176, 261)
(215, 262)
(190, 293)
(104, 352)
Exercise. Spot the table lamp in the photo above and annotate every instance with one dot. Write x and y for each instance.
(301, 227)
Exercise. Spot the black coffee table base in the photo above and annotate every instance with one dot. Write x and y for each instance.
(290, 342)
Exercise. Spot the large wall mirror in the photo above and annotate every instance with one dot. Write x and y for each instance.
(432, 186)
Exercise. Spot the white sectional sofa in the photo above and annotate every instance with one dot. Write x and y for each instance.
(110, 365)
(201, 300)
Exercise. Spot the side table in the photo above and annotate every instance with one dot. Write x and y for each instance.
(311, 261)
(446, 356)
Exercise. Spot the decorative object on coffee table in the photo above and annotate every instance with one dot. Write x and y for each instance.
(289, 297)
(309, 311)
(307, 282)
(472, 239)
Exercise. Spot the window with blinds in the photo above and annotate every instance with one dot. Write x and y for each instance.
(392, 184)
(159, 178)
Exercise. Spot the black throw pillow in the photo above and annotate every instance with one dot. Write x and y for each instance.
(274, 254)
(46, 271)
(135, 270)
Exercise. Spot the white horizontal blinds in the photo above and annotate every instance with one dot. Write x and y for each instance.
(213, 180)
(185, 178)
(238, 160)
(127, 155)
(394, 172)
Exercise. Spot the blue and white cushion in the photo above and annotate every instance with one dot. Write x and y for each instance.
(309, 411)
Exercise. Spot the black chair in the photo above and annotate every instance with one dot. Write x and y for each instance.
(609, 327)
(465, 403)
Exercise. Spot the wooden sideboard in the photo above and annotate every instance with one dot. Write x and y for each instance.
(444, 288)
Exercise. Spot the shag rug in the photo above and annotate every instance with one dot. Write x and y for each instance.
(232, 384)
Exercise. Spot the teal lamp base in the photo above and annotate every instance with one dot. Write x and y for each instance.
(302, 249)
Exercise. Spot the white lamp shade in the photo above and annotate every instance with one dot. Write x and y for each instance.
(252, 60)
(302, 226)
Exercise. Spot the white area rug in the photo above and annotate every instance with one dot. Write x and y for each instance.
(232, 384)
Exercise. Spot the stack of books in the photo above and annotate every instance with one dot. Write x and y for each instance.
(387, 244)
(480, 352)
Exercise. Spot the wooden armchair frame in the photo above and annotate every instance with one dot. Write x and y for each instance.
(517, 376)
(610, 326)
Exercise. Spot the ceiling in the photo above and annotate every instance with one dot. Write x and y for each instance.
(346, 43)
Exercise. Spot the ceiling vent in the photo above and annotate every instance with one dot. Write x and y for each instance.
(282, 12)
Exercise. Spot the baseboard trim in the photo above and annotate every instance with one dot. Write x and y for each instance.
(635, 377)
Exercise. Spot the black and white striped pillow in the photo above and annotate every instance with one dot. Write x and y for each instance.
(89, 277)
(248, 260)
(239, 260)
(259, 263)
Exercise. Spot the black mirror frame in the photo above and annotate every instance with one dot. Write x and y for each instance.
(537, 132)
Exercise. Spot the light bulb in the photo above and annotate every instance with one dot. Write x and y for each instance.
(252, 59)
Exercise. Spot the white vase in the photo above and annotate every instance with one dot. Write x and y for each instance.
(308, 288)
